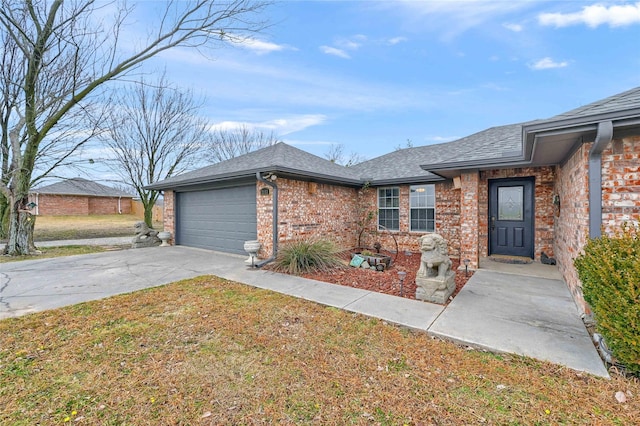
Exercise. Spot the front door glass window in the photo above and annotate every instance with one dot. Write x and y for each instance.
(511, 203)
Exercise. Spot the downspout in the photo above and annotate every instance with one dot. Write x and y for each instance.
(603, 138)
(37, 203)
(274, 217)
(119, 204)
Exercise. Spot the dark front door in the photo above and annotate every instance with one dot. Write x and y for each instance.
(511, 214)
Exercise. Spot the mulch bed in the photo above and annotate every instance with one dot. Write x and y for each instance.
(387, 281)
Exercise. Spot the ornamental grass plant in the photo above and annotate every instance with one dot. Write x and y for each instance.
(301, 257)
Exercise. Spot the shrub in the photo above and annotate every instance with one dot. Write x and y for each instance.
(609, 270)
(300, 257)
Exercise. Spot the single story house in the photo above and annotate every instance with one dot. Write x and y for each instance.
(518, 190)
(79, 197)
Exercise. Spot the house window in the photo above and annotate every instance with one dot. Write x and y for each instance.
(422, 200)
(389, 208)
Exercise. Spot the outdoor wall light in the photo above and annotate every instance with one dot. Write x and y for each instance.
(401, 276)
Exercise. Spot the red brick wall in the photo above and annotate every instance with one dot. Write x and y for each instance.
(109, 205)
(168, 214)
(307, 210)
(62, 205)
(621, 183)
(572, 220)
(621, 202)
(544, 210)
(470, 226)
(78, 205)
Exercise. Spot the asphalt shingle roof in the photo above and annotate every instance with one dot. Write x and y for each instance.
(278, 157)
(80, 186)
(620, 102)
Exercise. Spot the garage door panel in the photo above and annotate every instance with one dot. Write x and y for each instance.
(217, 219)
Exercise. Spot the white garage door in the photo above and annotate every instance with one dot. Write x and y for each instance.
(217, 219)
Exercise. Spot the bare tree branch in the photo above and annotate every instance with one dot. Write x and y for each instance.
(153, 132)
(230, 143)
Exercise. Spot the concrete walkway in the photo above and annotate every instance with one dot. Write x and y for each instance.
(528, 316)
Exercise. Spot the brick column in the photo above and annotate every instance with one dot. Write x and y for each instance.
(469, 218)
(168, 215)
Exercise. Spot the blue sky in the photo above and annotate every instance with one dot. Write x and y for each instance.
(371, 75)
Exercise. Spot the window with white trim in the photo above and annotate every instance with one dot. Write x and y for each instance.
(389, 208)
(422, 204)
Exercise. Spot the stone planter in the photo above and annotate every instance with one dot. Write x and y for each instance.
(252, 247)
(165, 236)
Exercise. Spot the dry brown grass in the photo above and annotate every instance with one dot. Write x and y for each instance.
(50, 228)
(211, 351)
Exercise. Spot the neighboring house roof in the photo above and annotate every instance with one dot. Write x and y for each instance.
(533, 143)
(279, 158)
(79, 186)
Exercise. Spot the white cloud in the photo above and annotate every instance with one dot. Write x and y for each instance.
(262, 47)
(547, 63)
(451, 18)
(280, 126)
(594, 16)
(335, 52)
(396, 40)
(516, 28)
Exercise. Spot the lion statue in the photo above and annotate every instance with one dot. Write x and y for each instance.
(145, 236)
(434, 262)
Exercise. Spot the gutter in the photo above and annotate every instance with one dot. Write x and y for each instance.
(274, 220)
(603, 138)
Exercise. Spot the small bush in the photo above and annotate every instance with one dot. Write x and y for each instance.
(609, 270)
(300, 257)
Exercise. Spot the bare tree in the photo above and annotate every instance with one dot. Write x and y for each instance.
(230, 143)
(336, 154)
(64, 55)
(153, 132)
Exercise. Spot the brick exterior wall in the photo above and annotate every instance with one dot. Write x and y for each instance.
(470, 218)
(307, 210)
(78, 205)
(621, 202)
(168, 214)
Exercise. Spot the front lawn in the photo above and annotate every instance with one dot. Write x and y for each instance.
(211, 351)
(49, 228)
(47, 252)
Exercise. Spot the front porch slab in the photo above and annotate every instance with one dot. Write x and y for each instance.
(520, 314)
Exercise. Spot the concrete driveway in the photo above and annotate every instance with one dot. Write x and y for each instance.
(37, 285)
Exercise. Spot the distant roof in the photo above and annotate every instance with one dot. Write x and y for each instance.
(277, 158)
(80, 186)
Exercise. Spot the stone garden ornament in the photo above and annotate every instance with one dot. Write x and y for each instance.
(435, 281)
(145, 236)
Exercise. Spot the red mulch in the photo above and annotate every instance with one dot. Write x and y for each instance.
(386, 282)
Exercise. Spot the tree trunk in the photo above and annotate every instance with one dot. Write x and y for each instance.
(21, 225)
(4, 217)
(148, 215)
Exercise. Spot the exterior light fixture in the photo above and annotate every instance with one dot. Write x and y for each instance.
(401, 276)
